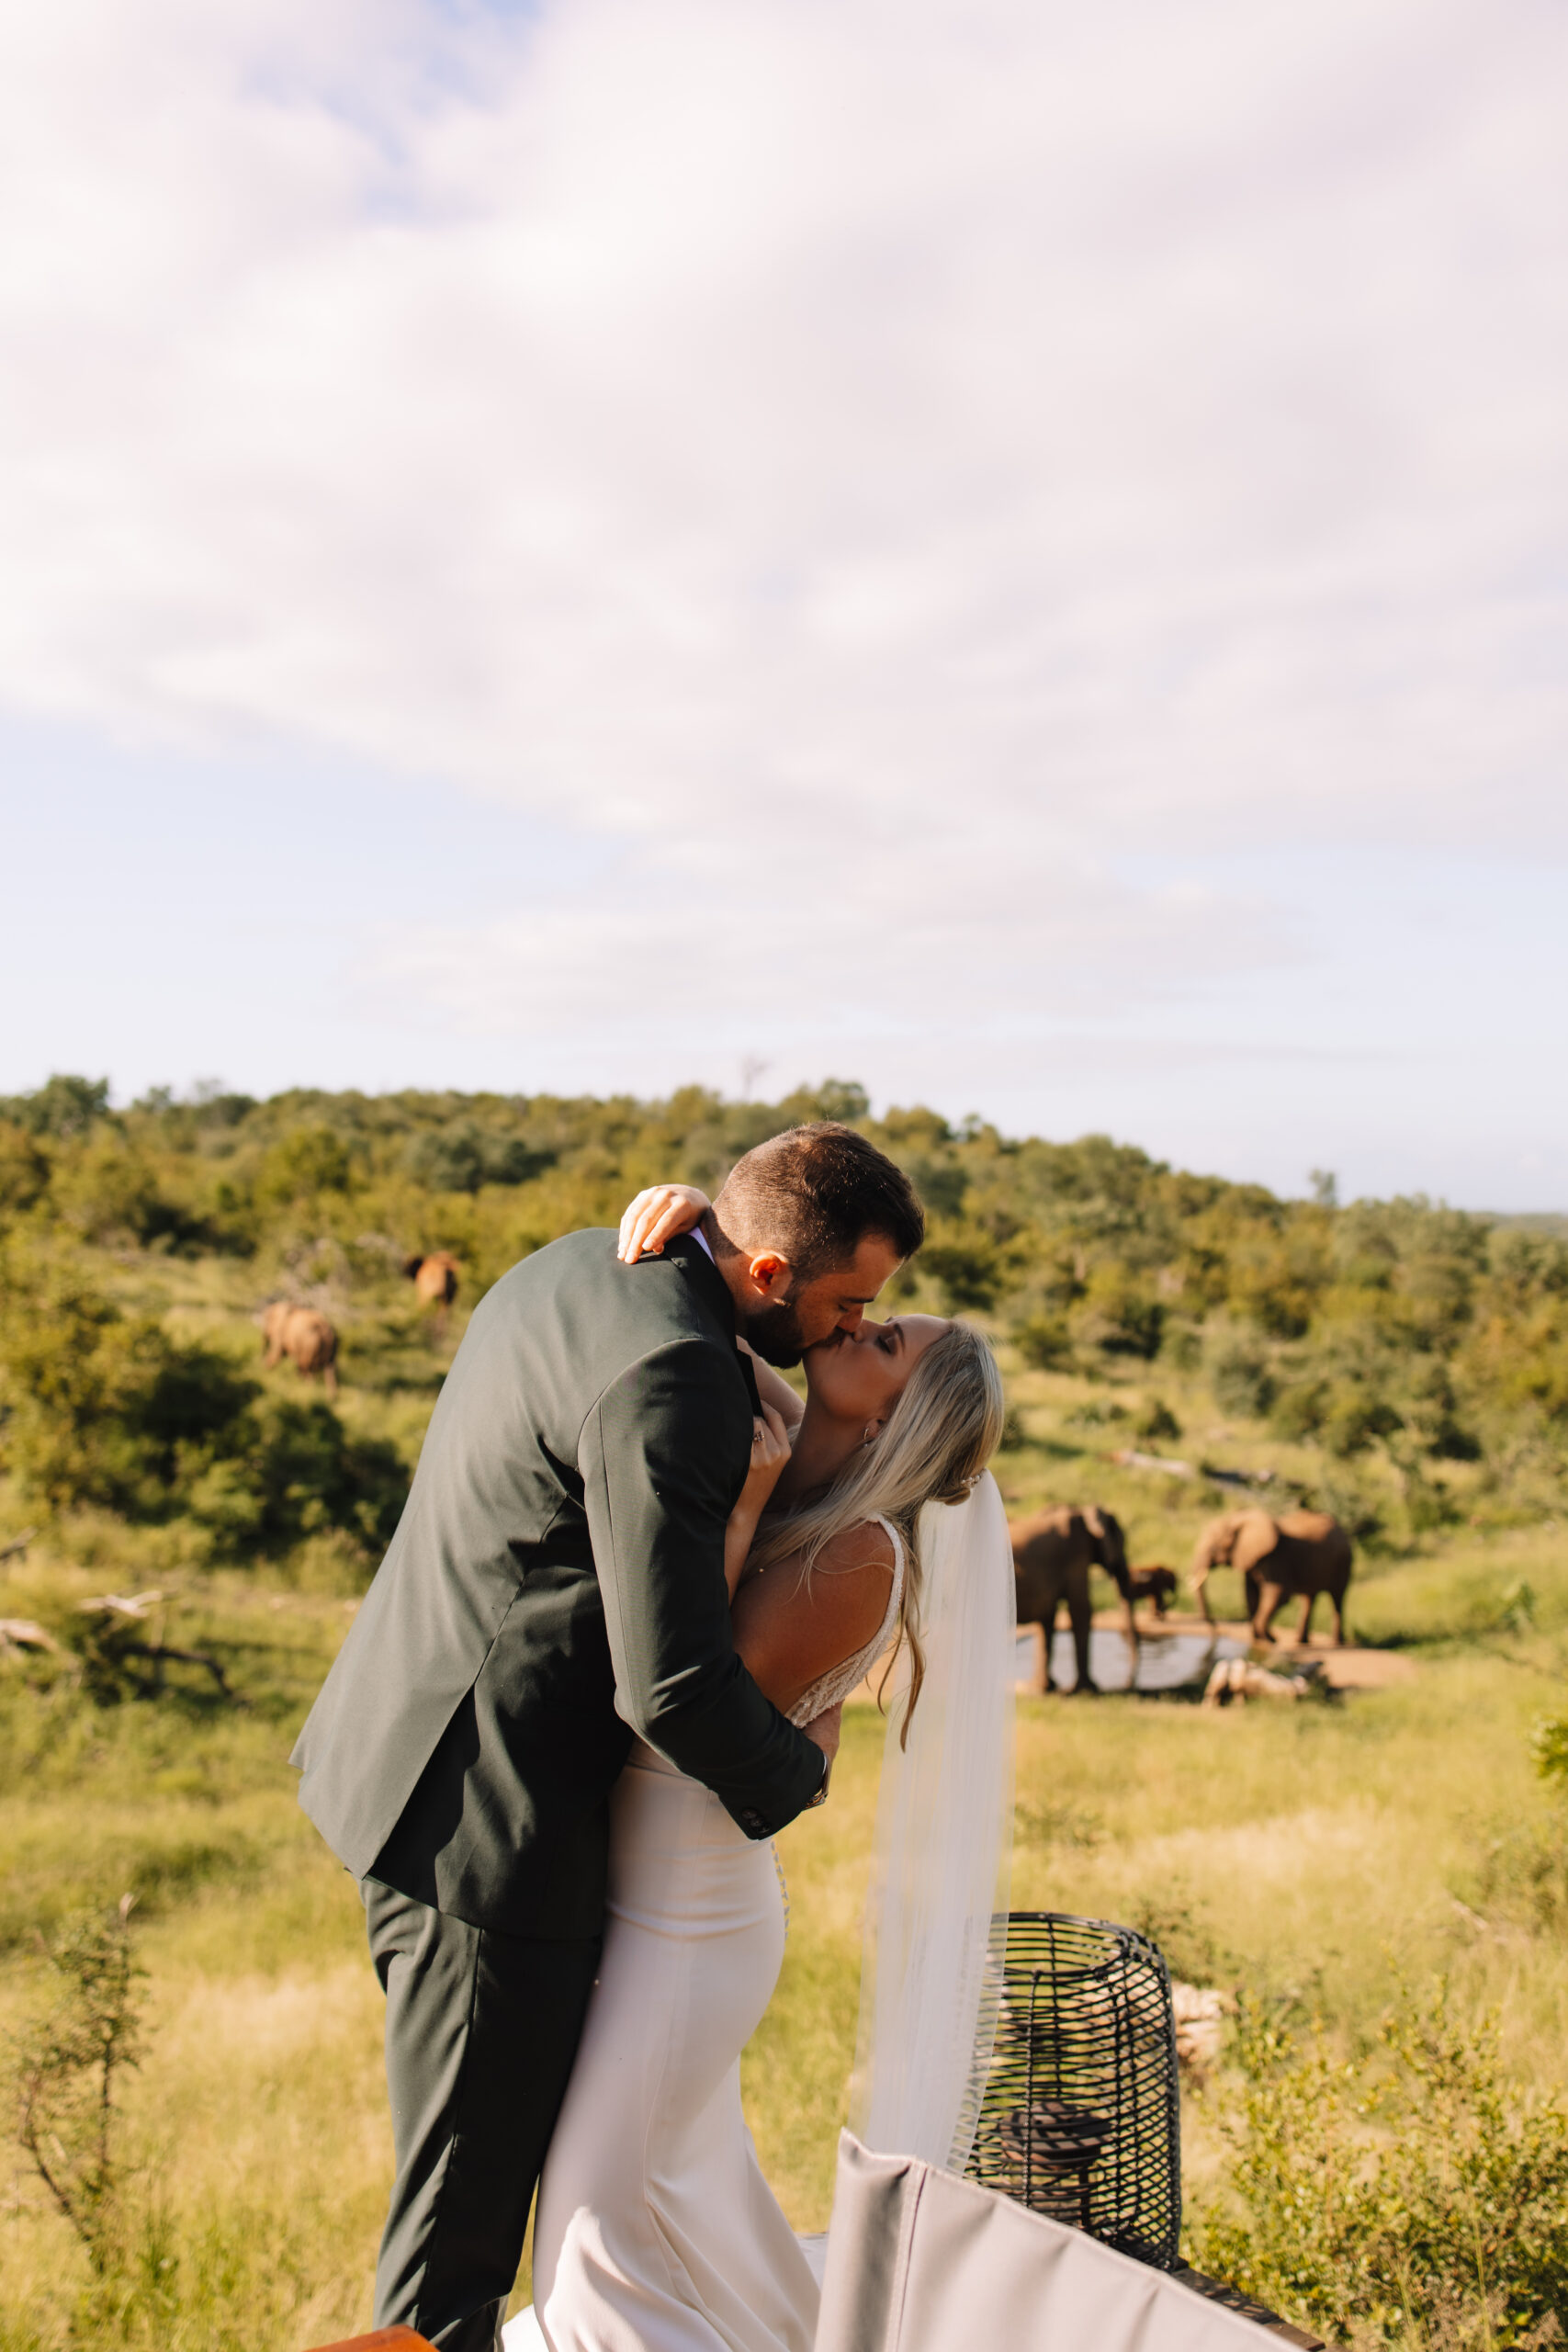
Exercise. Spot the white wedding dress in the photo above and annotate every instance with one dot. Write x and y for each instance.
(655, 2230)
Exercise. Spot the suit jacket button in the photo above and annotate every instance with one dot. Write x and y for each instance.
(751, 1822)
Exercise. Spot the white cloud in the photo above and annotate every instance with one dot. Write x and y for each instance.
(879, 468)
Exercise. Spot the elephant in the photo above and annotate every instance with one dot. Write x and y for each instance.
(1157, 1585)
(435, 1280)
(305, 1337)
(1051, 1558)
(1301, 1554)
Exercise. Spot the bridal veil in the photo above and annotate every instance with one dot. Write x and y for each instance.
(936, 1907)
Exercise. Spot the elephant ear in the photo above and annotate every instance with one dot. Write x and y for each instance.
(1093, 1521)
(1257, 1535)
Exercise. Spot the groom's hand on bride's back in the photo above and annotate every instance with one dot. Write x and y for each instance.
(824, 1730)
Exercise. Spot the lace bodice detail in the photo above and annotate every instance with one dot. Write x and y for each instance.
(839, 1680)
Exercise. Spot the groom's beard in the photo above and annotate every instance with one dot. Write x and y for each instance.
(775, 1333)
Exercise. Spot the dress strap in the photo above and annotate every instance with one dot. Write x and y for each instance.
(887, 1526)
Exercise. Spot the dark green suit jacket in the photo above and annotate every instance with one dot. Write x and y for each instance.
(556, 1583)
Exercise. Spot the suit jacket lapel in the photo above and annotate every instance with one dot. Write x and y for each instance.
(714, 1291)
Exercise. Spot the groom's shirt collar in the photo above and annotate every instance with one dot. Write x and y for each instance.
(747, 1367)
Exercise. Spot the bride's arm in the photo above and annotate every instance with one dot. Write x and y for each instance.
(770, 1451)
(656, 1217)
(774, 1390)
(791, 1629)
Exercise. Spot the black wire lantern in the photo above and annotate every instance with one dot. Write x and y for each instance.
(1081, 2117)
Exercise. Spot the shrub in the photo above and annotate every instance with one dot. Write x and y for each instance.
(1119, 1316)
(308, 1161)
(108, 1410)
(109, 1192)
(1298, 1408)
(1241, 1380)
(461, 1158)
(1042, 1340)
(79, 1379)
(1548, 1748)
(1158, 1422)
(967, 1264)
(64, 1106)
(1410, 2190)
(24, 1169)
(67, 2063)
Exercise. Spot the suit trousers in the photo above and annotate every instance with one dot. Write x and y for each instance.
(482, 2032)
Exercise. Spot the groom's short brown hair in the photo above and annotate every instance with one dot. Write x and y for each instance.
(814, 1193)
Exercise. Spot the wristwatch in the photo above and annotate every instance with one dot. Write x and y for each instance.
(821, 1796)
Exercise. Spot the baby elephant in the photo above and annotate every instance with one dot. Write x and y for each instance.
(305, 1337)
(1157, 1585)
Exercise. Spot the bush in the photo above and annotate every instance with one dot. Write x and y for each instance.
(1548, 1748)
(80, 1381)
(24, 1169)
(1158, 1422)
(65, 1106)
(1118, 1316)
(303, 1164)
(67, 2066)
(108, 1410)
(1408, 2190)
(1241, 1380)
(967, 1264)
(1043, 1341)
(461, 1158)
(109, 1192)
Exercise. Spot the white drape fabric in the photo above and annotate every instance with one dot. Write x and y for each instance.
(936, 1908)
(920, 2262)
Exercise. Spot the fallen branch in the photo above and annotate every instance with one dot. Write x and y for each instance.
(21, 1633)
(1130, 1458)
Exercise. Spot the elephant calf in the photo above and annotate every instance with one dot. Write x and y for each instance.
(305, 1337)
(1301, 1554)
(1051, 1553)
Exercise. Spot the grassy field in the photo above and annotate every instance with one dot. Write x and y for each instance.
(1305, 1854)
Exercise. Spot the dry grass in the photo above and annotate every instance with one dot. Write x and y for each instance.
(1287, 1849)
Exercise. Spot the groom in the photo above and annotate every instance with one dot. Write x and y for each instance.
(555, 1584)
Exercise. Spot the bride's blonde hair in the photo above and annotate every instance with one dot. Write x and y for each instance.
(939, 1437)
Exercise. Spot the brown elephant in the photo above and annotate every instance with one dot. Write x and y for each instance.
(1051, 1553)
(305, 1337)
(1301, 1554)
(435, 1280)
(1155, 1584)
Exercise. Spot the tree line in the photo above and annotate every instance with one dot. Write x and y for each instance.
(1403, 1330)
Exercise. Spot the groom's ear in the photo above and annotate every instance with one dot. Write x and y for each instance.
(770, 1274)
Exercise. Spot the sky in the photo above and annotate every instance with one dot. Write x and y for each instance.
(1013, 553)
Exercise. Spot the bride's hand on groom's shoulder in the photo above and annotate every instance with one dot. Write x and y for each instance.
(656, 1217)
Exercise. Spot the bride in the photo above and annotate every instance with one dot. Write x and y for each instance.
(868, 1520)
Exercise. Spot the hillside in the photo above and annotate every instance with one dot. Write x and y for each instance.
(1402, 1363)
